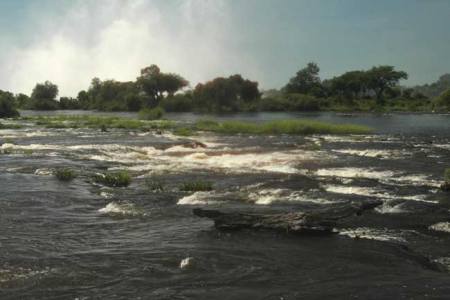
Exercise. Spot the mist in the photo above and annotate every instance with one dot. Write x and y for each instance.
(114, 39)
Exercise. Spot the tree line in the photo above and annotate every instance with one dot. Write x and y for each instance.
(377, 88)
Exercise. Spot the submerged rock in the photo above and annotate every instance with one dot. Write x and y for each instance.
(320, 221)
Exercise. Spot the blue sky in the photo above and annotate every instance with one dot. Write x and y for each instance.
(71, 41)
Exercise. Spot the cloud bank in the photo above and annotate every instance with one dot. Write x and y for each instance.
(114, 39)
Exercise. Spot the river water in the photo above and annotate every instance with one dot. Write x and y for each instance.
(79, 240)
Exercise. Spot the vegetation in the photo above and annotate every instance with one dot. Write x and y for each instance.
(7, 105)
(43, 97)
(196, 186)
(376, 89)
(446, 185)
(113, 179)
(154, 185)
(151, 113)
(98, 122)
(155, 84)
(300, 127)
(447, 175)
(65, 174)
(226, 94)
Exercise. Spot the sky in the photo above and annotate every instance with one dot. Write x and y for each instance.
(69, 42)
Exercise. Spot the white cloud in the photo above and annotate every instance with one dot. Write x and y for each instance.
(116, 38)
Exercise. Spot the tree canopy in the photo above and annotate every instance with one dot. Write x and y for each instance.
(305, 81)
(383, 77)
(43, 96)
(225, 94)
(7, 105)
(155, 83)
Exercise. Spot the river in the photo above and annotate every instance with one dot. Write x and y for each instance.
(79, 240)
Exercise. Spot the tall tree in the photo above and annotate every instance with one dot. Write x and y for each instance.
(305, 81)
(7, 105)
(44, 96)
(155, 84)
(226, 94)
(383, 77)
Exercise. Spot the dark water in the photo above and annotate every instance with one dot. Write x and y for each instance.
(79, 240)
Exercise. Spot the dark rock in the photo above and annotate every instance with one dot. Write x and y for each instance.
(320, 221)
(194, 145)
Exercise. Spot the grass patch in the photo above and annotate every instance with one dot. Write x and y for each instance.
(154, 185)
(446, 185)
(65, 174)
(183, 131)
(447, 175)
(196, 186)
(10, 126)
(97, 122)
(151, 114)
(295, 127)
(113, 179)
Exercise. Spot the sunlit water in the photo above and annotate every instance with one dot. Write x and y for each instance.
(78, 240)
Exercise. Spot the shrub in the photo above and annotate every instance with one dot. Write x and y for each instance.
(151, 114)
(302, 127)
(154, 185)
(65, 174)
(446, 185)
(290, 102)
(7, 105)
(113, 179)
(196, 186)
(444, 99)
(177, 103)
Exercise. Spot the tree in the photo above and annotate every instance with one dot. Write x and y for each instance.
(45, 91)
(444, 99)
(7, 105)
(350, 84)
(305, 81)
(44, 95)
(226, 94)
(382, 77)
(69, 103)
(22, 100)
(154, 83)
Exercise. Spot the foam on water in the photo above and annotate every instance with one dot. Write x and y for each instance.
(384, 235)
(384, 176)
(186, 263)
(372, 192)
(198, 198)
(269, 196)
(442, 226)
(373, 153)
(14, 274)
(234, 162)
(121, 210)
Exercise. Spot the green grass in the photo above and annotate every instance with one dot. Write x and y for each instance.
(113, 179)
(183, 131)
(154, 185)
(446, 185)
(295, 127)
(151, 114)
(97, 122)
(65, 174)
(10, 126)
(196, 186)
